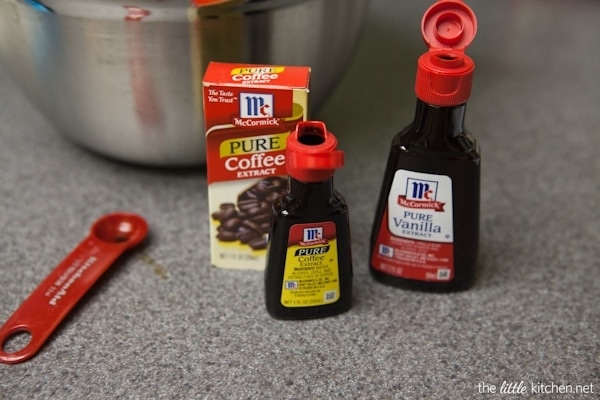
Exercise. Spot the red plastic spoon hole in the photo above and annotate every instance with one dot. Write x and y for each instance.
(16, 341)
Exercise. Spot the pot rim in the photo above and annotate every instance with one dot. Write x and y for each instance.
(149, 10)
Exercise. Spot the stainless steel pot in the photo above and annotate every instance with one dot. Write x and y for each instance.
(124, 78)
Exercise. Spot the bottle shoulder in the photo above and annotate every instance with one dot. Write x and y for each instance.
(291, 206)
(458, 145)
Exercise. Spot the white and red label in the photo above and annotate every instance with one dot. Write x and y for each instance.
(415, 240)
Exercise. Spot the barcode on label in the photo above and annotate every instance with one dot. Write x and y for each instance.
(443, 274)
(330, 295)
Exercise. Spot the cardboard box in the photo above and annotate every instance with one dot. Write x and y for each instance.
(249, 111)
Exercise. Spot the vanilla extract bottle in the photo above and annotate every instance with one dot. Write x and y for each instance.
(309, 264)
(426, 230)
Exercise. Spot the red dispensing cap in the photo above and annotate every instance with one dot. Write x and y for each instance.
(311, 154)
(445, 72)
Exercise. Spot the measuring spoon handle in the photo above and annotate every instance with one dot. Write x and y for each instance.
(59, 292)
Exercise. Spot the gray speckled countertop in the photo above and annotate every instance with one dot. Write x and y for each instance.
(164, 324)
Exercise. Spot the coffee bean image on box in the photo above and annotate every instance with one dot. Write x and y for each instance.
(249, 220)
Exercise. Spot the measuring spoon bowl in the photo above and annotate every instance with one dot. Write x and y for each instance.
(120, 228)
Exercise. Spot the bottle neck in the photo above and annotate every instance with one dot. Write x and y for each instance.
(313, 191)
(433, 120)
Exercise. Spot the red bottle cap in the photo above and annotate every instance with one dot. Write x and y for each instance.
(311, 154)
(445, 72)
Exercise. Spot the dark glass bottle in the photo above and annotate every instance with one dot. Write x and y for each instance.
(309, 263)
(437, 144)
(426, 230)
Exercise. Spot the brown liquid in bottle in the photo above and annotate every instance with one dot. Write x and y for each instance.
(309, 263)
(436, 144)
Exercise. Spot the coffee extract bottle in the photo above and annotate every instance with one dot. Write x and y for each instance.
(426, 230)
(309, 264)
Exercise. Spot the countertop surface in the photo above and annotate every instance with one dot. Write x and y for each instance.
(163, 323)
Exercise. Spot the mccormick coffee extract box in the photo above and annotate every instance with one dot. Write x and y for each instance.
(249, 111)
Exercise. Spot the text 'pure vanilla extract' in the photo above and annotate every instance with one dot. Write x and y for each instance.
(309, 263)
(426, 230)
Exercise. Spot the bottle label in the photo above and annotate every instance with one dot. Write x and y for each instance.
(311, 276)
(415, 240)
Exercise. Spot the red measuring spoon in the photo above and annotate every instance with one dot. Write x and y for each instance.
(52, 300)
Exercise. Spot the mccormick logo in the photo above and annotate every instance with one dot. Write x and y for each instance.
(421, 190)
(313, 234)
(421, 194)
(256, 110)
(254, 105)
(291, 285)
